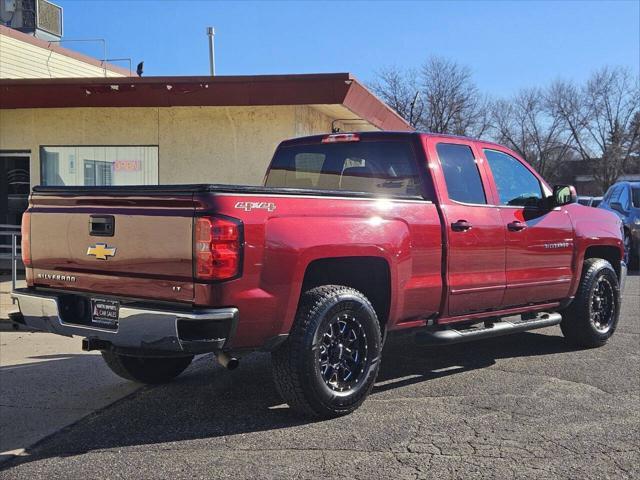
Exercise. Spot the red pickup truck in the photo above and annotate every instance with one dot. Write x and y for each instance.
(351, 237)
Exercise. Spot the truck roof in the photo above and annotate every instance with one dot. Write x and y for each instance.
(381, 135)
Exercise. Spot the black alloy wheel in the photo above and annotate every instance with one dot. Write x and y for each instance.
(342, 352)
(602, 305)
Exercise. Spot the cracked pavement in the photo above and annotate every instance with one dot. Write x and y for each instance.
(522, 406)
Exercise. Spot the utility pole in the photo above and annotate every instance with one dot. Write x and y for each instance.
(212, 63)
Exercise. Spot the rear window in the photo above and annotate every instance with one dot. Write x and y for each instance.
(635, 196)
(386, 168)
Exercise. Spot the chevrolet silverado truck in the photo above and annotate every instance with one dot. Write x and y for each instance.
(351, 237)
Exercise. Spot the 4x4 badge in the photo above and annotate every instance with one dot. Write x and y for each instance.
(248, 206)
(101, 251)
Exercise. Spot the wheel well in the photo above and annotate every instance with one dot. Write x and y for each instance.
(369, 275)
(610, 254)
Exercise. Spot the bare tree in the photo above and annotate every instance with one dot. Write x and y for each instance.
(525, 124)
(599, 117)
(441, 98)
(400, 90)
(453, 102)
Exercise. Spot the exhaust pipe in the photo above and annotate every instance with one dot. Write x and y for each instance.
(230, 363)
(90, 344)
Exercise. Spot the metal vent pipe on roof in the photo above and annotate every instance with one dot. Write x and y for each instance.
(212, 64)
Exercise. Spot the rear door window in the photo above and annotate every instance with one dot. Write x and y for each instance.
(461, 173)
(380, 167)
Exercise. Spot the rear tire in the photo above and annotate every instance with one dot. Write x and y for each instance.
(592, 317)
(150, 370)
(328, 364)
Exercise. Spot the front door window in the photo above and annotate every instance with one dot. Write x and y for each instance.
(516, 185)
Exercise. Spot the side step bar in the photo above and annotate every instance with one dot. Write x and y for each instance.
(503, 327)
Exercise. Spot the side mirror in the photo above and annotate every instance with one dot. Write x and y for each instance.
(617, 206)
(564, 194)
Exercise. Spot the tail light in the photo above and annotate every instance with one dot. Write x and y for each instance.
(217, 248)
(25, 244)
(341, 137)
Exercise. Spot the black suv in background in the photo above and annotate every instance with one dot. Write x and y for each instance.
(623, 198)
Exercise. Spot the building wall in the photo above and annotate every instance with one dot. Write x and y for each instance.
(196, 144)
(22, 59)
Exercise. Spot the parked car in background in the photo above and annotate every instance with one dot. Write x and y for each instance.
(589, 201)
(623, 198)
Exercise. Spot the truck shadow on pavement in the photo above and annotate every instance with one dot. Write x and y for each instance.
(210, 403)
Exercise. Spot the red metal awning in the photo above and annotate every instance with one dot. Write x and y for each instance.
(312, 89)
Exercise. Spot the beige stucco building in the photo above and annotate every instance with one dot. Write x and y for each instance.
(204, 129)
(131, 130)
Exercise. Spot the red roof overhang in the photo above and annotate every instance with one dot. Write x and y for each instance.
(314, 89)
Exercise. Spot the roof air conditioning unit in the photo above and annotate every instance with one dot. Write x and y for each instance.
(39, 18)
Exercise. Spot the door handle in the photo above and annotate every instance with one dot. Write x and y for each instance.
(102, 225)
(461, 226)
(516, 226)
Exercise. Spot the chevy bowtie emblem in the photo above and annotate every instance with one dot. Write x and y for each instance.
(101, 251)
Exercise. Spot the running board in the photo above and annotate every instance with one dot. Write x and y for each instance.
(503, 327)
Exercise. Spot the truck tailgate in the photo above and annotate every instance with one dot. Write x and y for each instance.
(146, 253)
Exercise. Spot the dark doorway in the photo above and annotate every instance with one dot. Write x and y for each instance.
(14, 187)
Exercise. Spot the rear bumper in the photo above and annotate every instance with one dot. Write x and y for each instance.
(151, 330)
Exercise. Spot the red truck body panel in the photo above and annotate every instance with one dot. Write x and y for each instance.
(280, 245)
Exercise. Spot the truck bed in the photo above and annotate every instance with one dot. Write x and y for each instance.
(130, 190)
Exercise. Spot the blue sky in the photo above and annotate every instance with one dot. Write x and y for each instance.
(508, 45)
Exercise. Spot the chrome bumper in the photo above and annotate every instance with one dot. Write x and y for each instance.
(138, 328)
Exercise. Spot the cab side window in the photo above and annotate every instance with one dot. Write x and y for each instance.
(516, 185)
(461, 173)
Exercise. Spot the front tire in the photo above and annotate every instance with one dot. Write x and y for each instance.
(327, 366)
(150, 370)
(628, 248)
(592, 317)
(632, 252)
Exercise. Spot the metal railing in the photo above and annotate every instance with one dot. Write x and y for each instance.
(12, 252)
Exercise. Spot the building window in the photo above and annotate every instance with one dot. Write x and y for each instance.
(99, 165)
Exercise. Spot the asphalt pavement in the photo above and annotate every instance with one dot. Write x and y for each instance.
(523, 406)
(46, 383)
